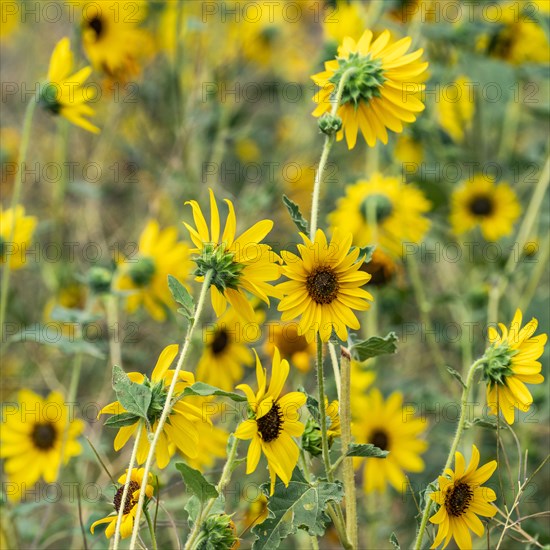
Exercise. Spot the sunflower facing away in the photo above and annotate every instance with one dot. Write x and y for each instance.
(132, 498)
(461, 497)
(32, 437)
(389, 427)
(19, 229)
(239, 264)
(383, 211)
(511, 362)
(380, 91)
(293, 346)
(324, 287)
(479, 202)
(63, 93)
(180, 429)
(143, 277)
(273, 423)
(455, 108)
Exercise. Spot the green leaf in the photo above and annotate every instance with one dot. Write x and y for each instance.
(121, 420)
(488, 423)
(135, 398)
(194, 506)
(196, 483)
(362, 350)
(313, 407)
(296, 215)
(182, 297)
(365, 450)
(366, 252)
(394, 542)
(456, 375)
(301, 505)
(200, 388)
(79, 316)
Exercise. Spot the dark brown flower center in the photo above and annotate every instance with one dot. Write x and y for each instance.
(97, 26)
(458, 498)
(380, 439)
(130, 500)
(43, 436)
(481, 206)
(271, 424)
(221, 339)
(322, 285)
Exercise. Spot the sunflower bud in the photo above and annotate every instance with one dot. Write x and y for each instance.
(311, 438)
(497, 366)
(217, 532)
(330, 124)
(226, 272)
(99, 280)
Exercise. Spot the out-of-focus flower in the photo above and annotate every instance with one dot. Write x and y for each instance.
(345, 19)
(11, 17)
(455, 108)
(408, 150)
(293, 346)
(16, 231)
(381, 267)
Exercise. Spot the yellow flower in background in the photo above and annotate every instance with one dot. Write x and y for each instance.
(33, 435)
(461, 499)
(226, 350)
(16, 231)
(389, 427)
(239, 264)
(455, 108)
(381, 91)
(63, 94)
(362, 378)
(334, 429)
(112, 37)
(143, 278)
(180, 428)
(324, 287)
(408, 150)
(345, 19)
(293, 346)
(11, 17)
(382, 211)
(129, 514)
(10, 140)
(274, 422)
(479, 202)
(382, 268)
(511, 362)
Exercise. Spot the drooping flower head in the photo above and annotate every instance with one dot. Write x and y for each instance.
(16, 231)
(511, 362)
(238, 264)
(381, 88)
(274, 421)
(325, 286)
(461, 499)
(64, 94)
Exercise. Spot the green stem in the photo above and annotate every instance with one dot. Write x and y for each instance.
(25, 138)
(151, 529)
(323, 410)
(60, 189)
(459, 429)
(168, 403)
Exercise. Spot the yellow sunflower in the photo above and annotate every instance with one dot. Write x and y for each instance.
(16, 231)
(180, 428)
(388, 427)
(362, 378)
(455, 108)
(324, 287)
(63, 93)
(274, 422)
(382, 268)
(144, 277)
(33, 434)
(408, 150)
(332, 410)
(511, 362)
(132, 498)
(238, 264)
(293, 346)
(461, 497)
(478, 202)
(382, 211)
(380, 91)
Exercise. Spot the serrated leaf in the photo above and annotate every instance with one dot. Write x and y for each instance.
(182, 297)
(366, 450)
(135, 398)
(455, 374)
(394, 542)
(296, 215)
(362, 350)
(121, 420)
(366, 252)
(301, 505)
(202, 389)
(196, 483)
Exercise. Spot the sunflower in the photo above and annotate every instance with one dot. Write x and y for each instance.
(273, 422)
(461, 497)
(143, 278)
(511, 361)
(132, 498)
(238, 264)
(380, 90)
(383, 211)
(479, 202)
(293, 346)
(389, 428)
(381, 267)
(112, 38)
(63, 94)
(455, 108)
(181, 425)
(408, 149)
(333, 416)
(33, 435)
(16, 231)
(325, 285)
(362, 378)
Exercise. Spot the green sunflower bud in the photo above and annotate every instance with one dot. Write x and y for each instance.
(99, 280)
(217, 533)
(497, 364)
(48, 98)
(311, 438)
(330, 124)
(226, 272)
